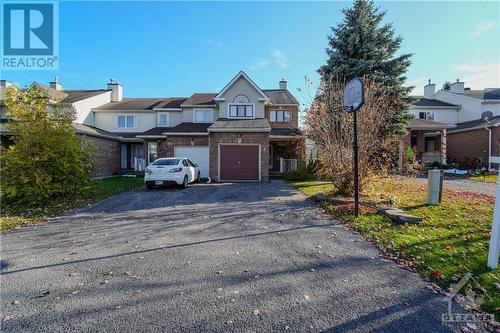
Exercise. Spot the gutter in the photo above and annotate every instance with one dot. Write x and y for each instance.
(489, 147)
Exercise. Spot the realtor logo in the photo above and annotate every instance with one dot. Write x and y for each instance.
(30, 35)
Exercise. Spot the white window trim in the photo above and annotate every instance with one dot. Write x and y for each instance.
(158, 119)
(426, 114)
(149, 151)
(281, 110)
(135, 117)
(230, 104)
(204, 110)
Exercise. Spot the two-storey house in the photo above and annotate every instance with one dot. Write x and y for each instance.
(241, 133)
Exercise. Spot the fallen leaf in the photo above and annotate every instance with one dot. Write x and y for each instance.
(16, 302)
(8, 317)
(44, 293)
(73, 274)
(256, 312)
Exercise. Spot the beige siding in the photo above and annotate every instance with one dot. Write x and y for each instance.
(242, 87)
(108, 121)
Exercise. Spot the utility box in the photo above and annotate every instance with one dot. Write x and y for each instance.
(435, 186)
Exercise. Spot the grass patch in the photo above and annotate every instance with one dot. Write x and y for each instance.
(493, 179)
(451, 241)
(101, 189)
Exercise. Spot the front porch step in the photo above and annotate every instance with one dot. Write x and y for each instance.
(275, 175)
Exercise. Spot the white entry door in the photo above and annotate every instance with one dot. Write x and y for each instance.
(197, 155)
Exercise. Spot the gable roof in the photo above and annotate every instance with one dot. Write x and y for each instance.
(425, 102)
(483, 94)
(78, 95)
(188, 128)
(280, 96)
(143, 104)
(241, 74)
(475, 124)
(201, 99)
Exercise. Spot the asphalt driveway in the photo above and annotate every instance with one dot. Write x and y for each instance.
(211, 258)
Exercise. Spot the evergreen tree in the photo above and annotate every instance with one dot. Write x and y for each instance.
(446, 85)
(361, 46)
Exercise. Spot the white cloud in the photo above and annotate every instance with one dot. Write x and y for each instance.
(280, 58)
(484, 27)
(480, 74)
(259, 63)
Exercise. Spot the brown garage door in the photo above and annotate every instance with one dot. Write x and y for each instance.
(239, 162)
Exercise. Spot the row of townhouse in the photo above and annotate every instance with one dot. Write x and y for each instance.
(242, 132)
(458, 125)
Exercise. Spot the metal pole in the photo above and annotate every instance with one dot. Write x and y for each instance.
(356, 172)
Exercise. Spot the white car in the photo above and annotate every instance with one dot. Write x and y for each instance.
(173, 170)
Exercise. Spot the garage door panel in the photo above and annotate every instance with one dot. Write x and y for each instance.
(239, 162)
(198, 155)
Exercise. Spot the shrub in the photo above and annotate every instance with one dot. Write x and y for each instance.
(46, 161)
(296, 175)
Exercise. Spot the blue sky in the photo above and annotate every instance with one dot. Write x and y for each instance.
(161, 49)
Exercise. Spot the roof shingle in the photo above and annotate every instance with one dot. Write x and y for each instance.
(431, 102)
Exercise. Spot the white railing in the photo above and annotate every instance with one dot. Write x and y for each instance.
(287, 164)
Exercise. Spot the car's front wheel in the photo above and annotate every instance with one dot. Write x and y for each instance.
(185, 182)
(150, 186)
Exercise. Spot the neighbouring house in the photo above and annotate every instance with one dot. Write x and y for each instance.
(241, 133)
(458, 125)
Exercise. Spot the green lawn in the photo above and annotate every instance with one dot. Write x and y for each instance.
(101, 189)
(452, 239)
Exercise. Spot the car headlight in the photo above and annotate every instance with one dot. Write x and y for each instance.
(148, 171)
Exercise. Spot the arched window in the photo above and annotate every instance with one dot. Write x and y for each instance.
(241, 99)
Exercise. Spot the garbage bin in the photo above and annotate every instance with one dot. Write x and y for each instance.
(434, 186)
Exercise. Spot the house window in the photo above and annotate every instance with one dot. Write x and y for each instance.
(152, 151)
(163, 119)
(125, 121)
(241, 111)
(281, 116)
(426, 115)
(203, 116)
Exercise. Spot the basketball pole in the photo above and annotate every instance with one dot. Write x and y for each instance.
(356, 171)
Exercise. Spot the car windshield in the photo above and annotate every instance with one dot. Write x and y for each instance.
(172, 161)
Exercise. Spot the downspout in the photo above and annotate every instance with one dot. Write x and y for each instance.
(489, 147)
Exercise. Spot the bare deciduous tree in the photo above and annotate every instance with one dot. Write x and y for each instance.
(331, 128)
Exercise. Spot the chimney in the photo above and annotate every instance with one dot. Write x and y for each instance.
(457, 87)
(56, 85)
(5, 83)
(116, 90)
(283, 84)
(429, 90)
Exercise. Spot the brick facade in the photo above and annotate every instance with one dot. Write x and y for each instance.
(466, 146)
(239, 138)
(106, 155)
(294, 121)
